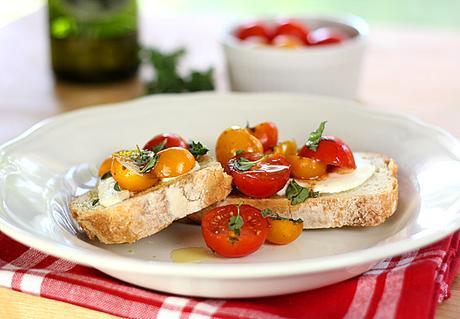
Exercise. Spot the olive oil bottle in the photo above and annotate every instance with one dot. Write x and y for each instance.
(93, 40)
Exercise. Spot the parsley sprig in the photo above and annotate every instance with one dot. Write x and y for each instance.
(243, 164)
(236, 222)
(298, 194)
(315, 137)
(197, 149)
(267, 212)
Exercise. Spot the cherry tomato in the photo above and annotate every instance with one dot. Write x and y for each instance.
(332, 151)
(286, 148)
(324, 36)
(105, 167)
(233, 139)
(129, 179)
(173, 162)
(306, 168)
(215, 228)
(284, 231)
(287, 42)
(254, 30)
(267, 133)
(264, 179)
(293, 28)
(172, 140)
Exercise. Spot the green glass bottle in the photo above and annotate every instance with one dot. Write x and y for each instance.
(93, 40)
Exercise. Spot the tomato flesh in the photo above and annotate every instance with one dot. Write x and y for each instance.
(331, 151)
(172, 140)
(267, 133)
(293, 28)
(254, 30)
(225, 242)
(264, 179)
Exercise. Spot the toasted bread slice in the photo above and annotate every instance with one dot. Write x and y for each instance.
(152, 210)
(369, 204)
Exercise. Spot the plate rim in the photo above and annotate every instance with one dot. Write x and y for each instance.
(105, 260)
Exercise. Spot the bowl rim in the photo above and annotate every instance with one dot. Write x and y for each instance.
(227, 39)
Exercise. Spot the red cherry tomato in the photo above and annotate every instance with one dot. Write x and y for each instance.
(254, 30)
(172, 140)
(265, 178)
(293, 28)
(332, 151)
(218, 236)
(267, 133)
(324, 36)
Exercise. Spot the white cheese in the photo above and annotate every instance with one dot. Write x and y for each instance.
(107, 194)
(195, 168)
(336, 183)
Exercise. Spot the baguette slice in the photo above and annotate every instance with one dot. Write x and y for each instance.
(369, 204)
(154, 209)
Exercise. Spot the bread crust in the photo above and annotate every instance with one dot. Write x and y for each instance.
(152, 210)
(330, 211)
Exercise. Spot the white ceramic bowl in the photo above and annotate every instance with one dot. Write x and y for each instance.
(328, 69)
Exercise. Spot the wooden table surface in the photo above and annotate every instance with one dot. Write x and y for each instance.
(407, 70)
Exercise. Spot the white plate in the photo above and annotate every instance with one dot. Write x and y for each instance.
(38, 175)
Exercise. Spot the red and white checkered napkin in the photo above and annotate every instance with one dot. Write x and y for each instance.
(407, 286)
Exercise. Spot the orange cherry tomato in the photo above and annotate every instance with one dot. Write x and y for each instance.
(287, 42)
(215, 228)
(129, 179)
(267, 133)
(286, 148)
(173, 161)
(284, 231)
(105, 167)
(233, 139)
(306, 168)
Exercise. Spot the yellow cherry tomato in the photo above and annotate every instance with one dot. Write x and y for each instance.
(287, 42)
(286, 148)
(306, 168)
(233, 139)
(284, 231)
(131, 180)
(105, 167)
(173, 161)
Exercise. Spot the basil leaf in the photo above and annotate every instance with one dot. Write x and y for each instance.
(117, 187)
(298, 194)
(151, 164)
(315, 137)
(236, 222)
(243, 164)
(197, 149)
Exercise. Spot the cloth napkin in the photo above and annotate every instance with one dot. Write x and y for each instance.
(407, 286)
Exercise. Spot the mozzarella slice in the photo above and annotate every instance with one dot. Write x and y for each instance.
(107, 194)
(336, 183)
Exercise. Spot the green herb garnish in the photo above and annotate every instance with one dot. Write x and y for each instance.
(267, 212)
(106, 175)
(298, 194)
(151, 164)
(243, 164)
(117, 187)
(238, 152)
(197, 149)
(160, 146)
(236, 222)
(315, 137)
(144, 159)
(95, 202)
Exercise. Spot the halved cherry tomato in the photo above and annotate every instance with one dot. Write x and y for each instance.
(172, 140)
(284, 231)
(293, 28)
(332, 151)
(287, 42)
(129, 179)
(265, 178)
(286, 148)
(105, 166)
(173, 162)
(267, 133)
(306, 168)
(233, 139)
(215, 228)
(252, 30)
(324, 36)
